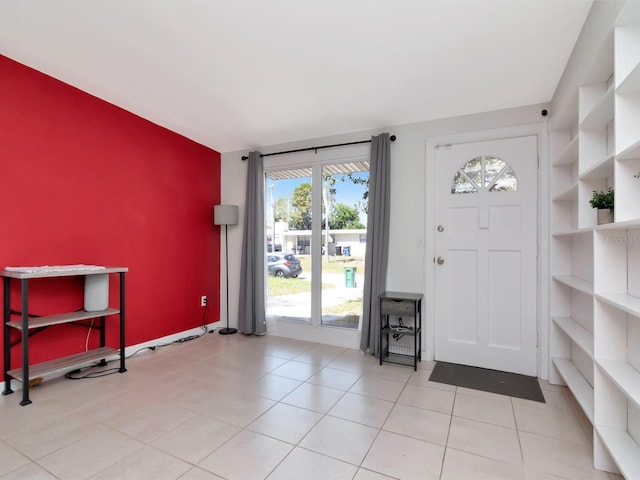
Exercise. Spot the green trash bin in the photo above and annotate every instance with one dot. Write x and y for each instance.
(350, 277)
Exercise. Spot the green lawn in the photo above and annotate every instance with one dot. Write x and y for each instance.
(335, 264)
(285, 286)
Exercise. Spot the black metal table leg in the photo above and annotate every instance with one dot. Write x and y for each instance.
(25, 342)
(7, 342)
(103, 329)
(122, 322)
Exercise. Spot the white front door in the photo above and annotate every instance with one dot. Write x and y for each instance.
(486, 248)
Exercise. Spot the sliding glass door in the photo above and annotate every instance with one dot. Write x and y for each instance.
(315, 221)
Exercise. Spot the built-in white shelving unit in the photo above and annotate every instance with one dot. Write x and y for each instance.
(595, 282)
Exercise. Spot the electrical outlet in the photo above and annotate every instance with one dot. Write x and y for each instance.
(203, 301)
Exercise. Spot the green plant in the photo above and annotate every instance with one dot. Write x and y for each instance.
(602, 199)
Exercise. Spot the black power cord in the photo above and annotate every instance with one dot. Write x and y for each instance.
(110, 371)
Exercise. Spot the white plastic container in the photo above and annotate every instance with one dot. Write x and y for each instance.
(96, 292)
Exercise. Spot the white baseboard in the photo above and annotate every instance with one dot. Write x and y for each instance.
(15, 385)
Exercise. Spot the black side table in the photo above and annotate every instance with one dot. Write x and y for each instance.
(400, 315)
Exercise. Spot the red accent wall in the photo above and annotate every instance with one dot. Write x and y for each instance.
(83, 181)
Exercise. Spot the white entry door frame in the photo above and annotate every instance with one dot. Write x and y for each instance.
(542, 206)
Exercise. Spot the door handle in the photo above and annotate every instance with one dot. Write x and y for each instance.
(440, 260)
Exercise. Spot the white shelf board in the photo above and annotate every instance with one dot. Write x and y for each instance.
(576, 283)
(620, 225)
(631, 83)
(601, 113)
(64, 363)
(622, 301)
(63, 273)
(569, 154)
(623, 449)
(573, 231)
(601, 169)
(37, 322)
(632, 151)
(577, 333)
(582, 391)
(624, 376)
(571, 193)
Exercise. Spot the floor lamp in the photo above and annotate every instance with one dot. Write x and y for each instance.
(226, 215)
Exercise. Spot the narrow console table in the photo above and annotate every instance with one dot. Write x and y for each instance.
(400, 315)
(26, 323)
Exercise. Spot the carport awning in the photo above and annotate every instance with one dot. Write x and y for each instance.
(337, 169)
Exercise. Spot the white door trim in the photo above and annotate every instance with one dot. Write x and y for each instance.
(542, 294)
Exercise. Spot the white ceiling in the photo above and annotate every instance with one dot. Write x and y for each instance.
(238, 74)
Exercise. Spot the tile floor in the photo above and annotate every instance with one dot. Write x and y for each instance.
(237, 407)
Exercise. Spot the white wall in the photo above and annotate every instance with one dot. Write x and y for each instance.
(411, 205)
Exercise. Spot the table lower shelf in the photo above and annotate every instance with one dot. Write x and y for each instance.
(398, 358)
(65, 363)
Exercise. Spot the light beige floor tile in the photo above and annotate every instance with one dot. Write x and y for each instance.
(419, 423)
(377, 387)
(307, 465)
(296, 370)
(387, 371)
(145, 463)
(554, 401)
(366, 410)
(285, 351)
(239, 409)
(197, 395)
(273, 387)
(215, 380)
(390, 453)
(551, 423)
(320, 355)
(197, 473)
(341, 439)
(196, 438)
(286, 422)
(91, 455)
(334, 378)
(54, 435)
(354, 361)
(421, 377)
(565, 459)
(464, 466)
(482, 394)
(12, 459)
(157, 419)
(248, 455)
(492, 441)
(615, 476)
(30, 471)
(428, 398)
(313, 397)
(364, 474)
(485, 409)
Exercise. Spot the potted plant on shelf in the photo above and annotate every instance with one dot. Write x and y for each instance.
(603, 201)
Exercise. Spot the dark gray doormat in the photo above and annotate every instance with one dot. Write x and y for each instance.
(494, 381)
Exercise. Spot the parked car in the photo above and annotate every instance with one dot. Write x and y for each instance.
(284, 265)
(274, 248)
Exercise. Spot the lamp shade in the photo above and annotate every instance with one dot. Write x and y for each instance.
(225, 215)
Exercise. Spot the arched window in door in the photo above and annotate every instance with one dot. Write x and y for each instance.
(484, 173)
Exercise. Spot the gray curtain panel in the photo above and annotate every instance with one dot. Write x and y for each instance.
(375, 277)
(251, 315)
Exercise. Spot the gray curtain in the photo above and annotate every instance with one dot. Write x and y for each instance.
(251, 315)
(375, 264)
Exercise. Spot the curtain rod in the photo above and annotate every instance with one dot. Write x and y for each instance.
(392, 138)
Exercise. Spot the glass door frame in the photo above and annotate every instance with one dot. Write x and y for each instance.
(315, 331)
